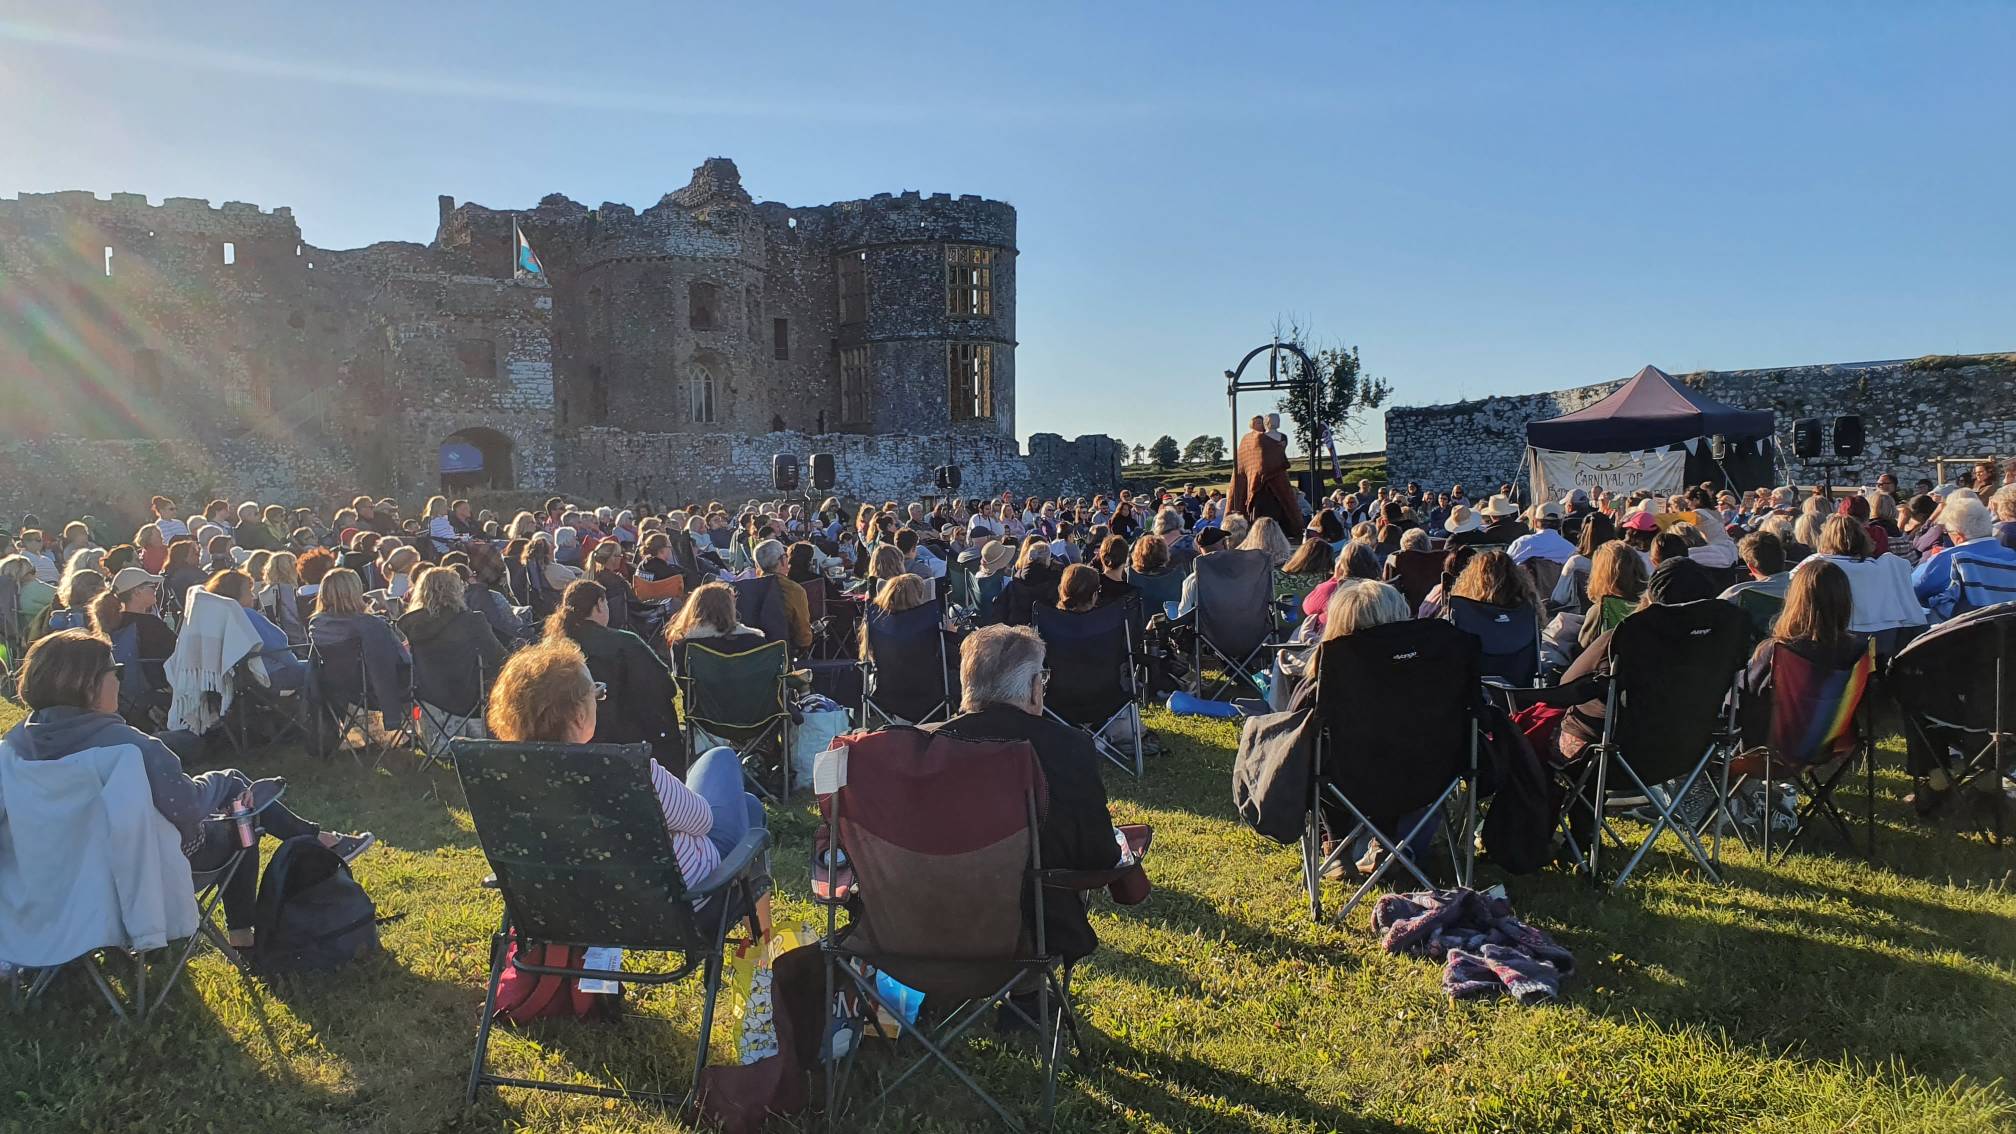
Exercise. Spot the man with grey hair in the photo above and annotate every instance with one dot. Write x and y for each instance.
(1169, 529)
(769, 557)
(1002, 677)
(1976, 571)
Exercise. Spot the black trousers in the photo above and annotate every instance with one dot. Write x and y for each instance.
(220, 842)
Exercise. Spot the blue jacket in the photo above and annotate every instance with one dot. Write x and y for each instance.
(1978, 573)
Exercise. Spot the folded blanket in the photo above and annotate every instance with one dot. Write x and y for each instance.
(1487, 951)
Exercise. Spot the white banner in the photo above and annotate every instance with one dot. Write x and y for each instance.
(1556, 472)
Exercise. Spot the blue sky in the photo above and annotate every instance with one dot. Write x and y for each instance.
(1485, 199)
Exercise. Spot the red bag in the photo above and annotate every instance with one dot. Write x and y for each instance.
(523, 997)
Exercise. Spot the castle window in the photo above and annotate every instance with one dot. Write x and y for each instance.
(230, 253)
(108, 261)
(147, 372)
(969, 280)
(598, 396)
(700, 396)
(853, 270)
(478, 358)
(970, 374)
(702, 299)
(780, 339)
(854, 386)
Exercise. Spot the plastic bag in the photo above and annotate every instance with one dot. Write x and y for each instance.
(815, 735)
(747, 981)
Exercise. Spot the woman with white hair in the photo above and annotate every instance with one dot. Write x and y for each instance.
(567, 546)
(1976, 571)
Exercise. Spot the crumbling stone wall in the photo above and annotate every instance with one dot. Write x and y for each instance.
(673, 468)
(1912, 411)
(196, 337)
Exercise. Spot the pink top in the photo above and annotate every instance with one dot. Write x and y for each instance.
(689, 818)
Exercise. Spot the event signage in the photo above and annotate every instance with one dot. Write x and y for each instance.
(1556, 472)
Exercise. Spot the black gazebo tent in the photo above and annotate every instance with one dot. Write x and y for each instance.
(1653, 411)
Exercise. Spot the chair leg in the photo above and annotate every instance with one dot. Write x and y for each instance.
(497, 945)
(1312, 858)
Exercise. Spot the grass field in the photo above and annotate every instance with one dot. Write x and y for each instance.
(1821, 995)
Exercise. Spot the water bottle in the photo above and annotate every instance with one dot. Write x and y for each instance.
(242, 811)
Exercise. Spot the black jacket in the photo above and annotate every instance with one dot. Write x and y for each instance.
(639, 705)
(446, 652)
(1077, 832)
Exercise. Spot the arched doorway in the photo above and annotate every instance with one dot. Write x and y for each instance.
(476, 458)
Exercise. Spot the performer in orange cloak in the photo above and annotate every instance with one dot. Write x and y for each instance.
(1260, 485)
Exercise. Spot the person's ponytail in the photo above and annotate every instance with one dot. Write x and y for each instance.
(106, 612)
(577, 605)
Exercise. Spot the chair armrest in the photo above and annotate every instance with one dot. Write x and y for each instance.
(734, 865)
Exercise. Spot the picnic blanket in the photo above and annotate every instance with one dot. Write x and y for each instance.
(1485, 950)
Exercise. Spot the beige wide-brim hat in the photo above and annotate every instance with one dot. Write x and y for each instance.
(1498, 505)
(1462, 519)
(995, 556)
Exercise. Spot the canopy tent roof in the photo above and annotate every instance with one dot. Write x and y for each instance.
(1650, 409)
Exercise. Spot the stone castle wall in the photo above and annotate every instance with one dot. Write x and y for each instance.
(213, 351)
(1912, 411)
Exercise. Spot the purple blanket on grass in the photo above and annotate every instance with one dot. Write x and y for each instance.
(1485, 950)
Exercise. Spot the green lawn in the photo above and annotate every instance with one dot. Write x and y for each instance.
(1823, 995)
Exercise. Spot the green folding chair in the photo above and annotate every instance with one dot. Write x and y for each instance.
(1615, 610)
(744, 700)
(1762, 607)
(580, 853)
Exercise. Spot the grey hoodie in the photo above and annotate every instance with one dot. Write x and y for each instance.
(53, 733)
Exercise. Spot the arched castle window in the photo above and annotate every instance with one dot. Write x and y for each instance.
(702, 300)
(700, 395)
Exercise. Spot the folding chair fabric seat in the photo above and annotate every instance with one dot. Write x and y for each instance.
(579, 851)
(739, 697)
(1234, 615)
(910, 679)
(1092, 673)
(1508, 635)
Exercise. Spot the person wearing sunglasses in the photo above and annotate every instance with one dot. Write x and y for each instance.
(70, 684)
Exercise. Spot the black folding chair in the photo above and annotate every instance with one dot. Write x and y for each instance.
(1375, 767)
(258, 709)
(342, 697)
(1669, 711)
(440, 717)
(580, 853)
(1508, 635)
(904, 675)
(1234, 618)
(1956, 685)
(1093, 680)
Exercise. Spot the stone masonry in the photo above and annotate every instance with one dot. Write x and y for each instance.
(669, 351)
(1912, 410)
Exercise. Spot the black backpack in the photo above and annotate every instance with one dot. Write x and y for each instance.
(312, 915)
(1519, 827)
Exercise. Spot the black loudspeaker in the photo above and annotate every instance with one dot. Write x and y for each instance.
(1848, 436)
(948, 478)
(822, 471)
(1807, 437)
(784, 472)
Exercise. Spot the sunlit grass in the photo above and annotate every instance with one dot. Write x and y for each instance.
(1818, 995)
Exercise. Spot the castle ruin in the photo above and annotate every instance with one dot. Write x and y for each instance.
(663, 354)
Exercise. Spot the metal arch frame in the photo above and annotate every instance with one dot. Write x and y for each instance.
(1235, 385)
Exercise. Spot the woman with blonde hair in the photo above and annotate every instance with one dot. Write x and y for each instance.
(1034, 584)
(1492, 578)
(547, 694)
(1266, 535)
(1615, 571)
(341, 625)
(399, 567)
(904, 592)
(886, 563)
(1362, 606)
(709, 616)
(282, 581)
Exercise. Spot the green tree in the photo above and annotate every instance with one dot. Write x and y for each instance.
(1342, 389)
(1165, 452)
(1140, 454)
(1204, 449)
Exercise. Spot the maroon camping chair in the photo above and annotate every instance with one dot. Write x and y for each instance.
(944, 895)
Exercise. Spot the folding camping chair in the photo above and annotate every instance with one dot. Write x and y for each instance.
(1160, 589)
(1546, 575)
(1956, 685)
(580, 853)
(133, 1003)
(1508, 635)
(1762, 608)
(947, 897)
(1614, 611)
(342, 697)
(1669, 709)
(1375, 766)
(437, 721)
(904, 675)
(742, 699)
(1234, 618)
(1817, 735)
(255, 700)
(1093, 682)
